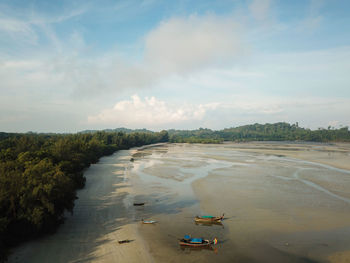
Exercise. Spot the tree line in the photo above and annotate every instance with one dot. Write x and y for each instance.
(40, 173)
(261, 132)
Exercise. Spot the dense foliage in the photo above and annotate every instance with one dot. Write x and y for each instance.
(261, 132)
(40, 173)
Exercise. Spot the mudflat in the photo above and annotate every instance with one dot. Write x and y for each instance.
(283, 202)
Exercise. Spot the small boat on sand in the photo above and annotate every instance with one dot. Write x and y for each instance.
(125, 241)
(209, 219)
(196, 242)
(148, 221)
(139, 204)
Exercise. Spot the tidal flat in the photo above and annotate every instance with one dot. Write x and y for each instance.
(283, 202)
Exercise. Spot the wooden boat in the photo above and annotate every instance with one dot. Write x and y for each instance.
(148, 221)
(125, 241)
(139, 204)
(209, 219)
(196, 242)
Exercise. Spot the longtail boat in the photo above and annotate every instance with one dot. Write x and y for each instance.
(209, 219)
(148, 221)
(196, 242)
(139, 204)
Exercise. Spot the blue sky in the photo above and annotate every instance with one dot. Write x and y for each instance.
(66, 66)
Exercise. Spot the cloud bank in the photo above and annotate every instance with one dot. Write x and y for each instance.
(150, 113)
(156, 114)
(185, 44)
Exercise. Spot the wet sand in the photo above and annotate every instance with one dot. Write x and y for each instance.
(283, 202)
(332, 154)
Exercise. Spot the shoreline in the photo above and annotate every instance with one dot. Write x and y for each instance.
(100, 219)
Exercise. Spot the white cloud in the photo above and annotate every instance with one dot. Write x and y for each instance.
(185, 44)
(150, 113)
(177, 46)
(236, 110)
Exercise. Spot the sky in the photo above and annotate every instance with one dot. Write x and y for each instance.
(67, 66)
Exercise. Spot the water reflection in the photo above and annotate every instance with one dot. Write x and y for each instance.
(198, 249)
(209, 224)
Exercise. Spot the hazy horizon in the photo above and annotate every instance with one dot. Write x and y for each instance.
(69, 66)
(158, 130)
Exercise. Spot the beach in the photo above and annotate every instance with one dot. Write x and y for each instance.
(283, 202)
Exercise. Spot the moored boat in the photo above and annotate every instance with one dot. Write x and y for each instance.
(196, 242)
(209, 219)
(148, 221)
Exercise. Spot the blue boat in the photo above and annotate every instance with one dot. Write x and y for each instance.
(196, 242)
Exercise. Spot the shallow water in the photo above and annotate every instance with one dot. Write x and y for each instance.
(278, 209)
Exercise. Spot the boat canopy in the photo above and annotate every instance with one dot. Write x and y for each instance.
(207, 216)
(196, 240)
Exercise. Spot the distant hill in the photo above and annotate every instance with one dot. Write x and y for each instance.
(122, 129)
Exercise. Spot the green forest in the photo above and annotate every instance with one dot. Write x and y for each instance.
(261, 132)
(40, 173)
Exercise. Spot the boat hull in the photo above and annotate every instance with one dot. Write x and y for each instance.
(198, 219)
(206, 243)
(149, 222)
(139, 204)
(202, 220)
